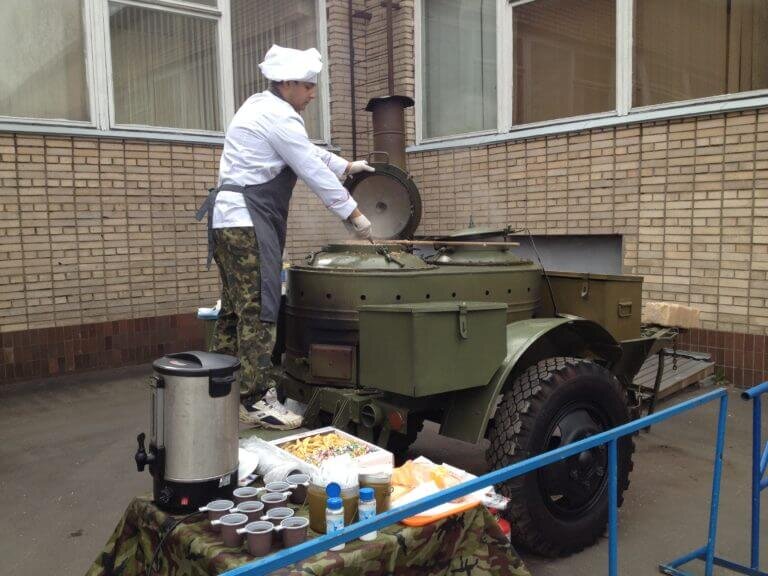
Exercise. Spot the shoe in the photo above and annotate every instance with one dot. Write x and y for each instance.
(269, 413)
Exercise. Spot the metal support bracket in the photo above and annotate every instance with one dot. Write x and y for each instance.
(384, 434)
(342, 415)
(313, 410)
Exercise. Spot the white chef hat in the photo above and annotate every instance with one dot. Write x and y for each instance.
(283, 64)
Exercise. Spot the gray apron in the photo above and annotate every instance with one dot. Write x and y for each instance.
(268, 206)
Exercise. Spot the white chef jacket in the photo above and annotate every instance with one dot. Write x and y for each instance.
(265, 135)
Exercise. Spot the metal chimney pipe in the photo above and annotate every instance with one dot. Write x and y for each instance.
(389, 127)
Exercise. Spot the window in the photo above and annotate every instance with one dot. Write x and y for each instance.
(42, 70)
(149, 65)
(164, 68)
(256, 25)
(459, 48)
(687, 49)
(539, 65)
(564, 59)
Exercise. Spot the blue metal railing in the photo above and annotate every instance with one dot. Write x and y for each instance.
(610, 437)
(759, 465)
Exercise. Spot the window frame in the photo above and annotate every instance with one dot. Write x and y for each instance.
(170, 7)
(99, 86)
(89, 87)
(623, 113)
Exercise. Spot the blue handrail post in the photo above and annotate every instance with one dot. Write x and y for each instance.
(613, 510)
(759, 464)
(707, 553)
(757, 476)
(716, 476)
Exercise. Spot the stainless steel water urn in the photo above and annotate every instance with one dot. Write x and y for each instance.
(193, 448)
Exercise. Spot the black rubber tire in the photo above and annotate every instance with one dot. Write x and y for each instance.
(538, 399)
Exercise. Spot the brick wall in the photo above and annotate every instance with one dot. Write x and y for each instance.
(102, 261)
(97, 230)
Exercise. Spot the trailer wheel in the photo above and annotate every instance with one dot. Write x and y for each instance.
(562, 508)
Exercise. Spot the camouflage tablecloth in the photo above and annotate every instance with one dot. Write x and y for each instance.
(467, 544)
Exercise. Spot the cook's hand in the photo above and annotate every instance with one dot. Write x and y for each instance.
(360, 166)
(361, 226)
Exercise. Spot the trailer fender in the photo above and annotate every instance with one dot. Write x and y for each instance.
(528, 341)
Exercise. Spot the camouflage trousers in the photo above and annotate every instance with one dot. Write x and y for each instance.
(239, 330)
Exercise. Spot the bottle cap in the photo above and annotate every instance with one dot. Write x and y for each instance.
(333, 490)
(335, 503)
(367, 494)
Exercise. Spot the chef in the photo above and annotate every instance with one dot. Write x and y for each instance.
(266, 148)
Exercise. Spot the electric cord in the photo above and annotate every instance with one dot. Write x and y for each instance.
(152, 568)
(543, 269)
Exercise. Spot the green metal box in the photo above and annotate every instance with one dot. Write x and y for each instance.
(432, 347)
(614, 301)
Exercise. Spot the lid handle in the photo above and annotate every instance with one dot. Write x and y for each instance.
(189, 356)
(219, 386)
(463, 328)
(624, 309)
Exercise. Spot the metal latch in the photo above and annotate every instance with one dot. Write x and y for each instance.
(625, 308)
(585, 287)
(463, 329)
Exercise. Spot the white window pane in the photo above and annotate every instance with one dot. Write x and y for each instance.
(256, 25)
(165, 69)
(459, 57)
(42, 62)
(565, 59)
(686, 49)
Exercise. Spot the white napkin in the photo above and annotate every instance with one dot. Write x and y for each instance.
(247, 464)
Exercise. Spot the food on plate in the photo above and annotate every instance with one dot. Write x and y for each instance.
(413, 474)
(316, 449)
(398, 491)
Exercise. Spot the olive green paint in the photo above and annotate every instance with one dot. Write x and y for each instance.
(400, 317)
(470, 411)
(430, 348)
(612, 301)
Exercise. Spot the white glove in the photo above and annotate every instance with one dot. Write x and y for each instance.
(361, 226)
(360, 166)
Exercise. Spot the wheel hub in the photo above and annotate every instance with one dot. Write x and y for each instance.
(574, 484)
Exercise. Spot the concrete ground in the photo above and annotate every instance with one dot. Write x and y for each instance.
(67, 473)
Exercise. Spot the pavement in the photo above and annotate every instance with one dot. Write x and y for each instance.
(67, 473)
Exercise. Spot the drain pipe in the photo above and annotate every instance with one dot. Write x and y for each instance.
(351, 15)
(352, 78)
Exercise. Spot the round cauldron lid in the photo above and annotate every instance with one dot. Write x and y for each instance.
(389, 198)
(196, 364)
(361, 256)
(478, 233)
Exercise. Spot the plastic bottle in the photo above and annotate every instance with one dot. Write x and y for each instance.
(334, 512)
(366, 509)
